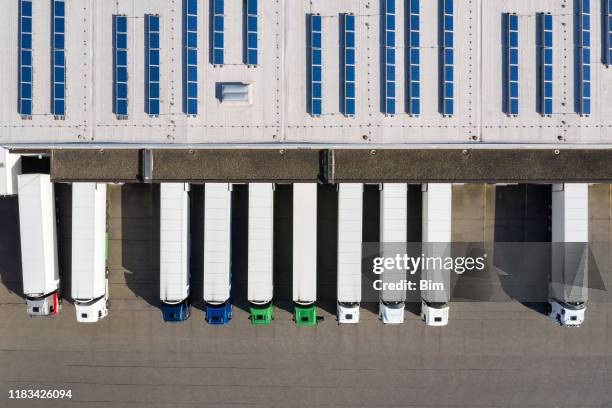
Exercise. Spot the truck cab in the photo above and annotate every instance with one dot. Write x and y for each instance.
(566, 313)
(219, 313)
(175, 312)
(391, 312)
(43, 305)
(305, 315)
(434, 313)
(261, 314)
(348, 312)
(91, 311)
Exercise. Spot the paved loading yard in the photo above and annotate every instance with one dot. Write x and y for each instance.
(491, 354)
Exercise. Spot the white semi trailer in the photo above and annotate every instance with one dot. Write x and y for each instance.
(437, 202)
(41, 283)
(89, 272)
(350, 219)
(393, 232)
(568, 287)
(260, 252)
(217, 252)
(305, 253)
(174, 251)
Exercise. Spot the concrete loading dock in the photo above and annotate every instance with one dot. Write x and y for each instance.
(484, 347)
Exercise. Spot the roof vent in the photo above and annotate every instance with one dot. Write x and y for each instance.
(236, 94)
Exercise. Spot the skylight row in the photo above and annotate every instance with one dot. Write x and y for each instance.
(58, 60)
(545, 56)
(414, 58)
(152, 64)
(315, 93)
(388, 48)
(349, 64)
(584, 58)
(447, 91)
(511, 64)
(120, 67)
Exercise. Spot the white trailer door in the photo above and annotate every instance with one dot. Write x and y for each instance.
(305, 242)
(260, 252)
(350, 219)
(393, 233)
(88, 240)
(570, 233)
(37, 233)
(217, 242)
(174, 242)
(437, 207)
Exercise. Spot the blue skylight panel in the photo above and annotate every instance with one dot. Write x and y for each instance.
(190, 58)
(316, 66)
(545, 63)
(218, 23)
(152, 64)
(511, 38)
(120, 68)
(414, 58)
(447, 58)
(25, 58)
(584, 58)
(388, 54)
(58, 60)
(607, 13)
(250, 25)
(348, 102)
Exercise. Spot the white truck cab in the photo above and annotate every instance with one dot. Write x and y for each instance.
(43, 305)
(90, 311)
(566, 314)
(348, 312)
(434, 313)
(391, 312)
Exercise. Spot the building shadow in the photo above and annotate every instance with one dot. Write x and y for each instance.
(327, 247)
(63, 215)
(196, 261)
(521, 253)
(283, 247)
(370, 236)
(140, 240)
(10, 245)
(240, 246)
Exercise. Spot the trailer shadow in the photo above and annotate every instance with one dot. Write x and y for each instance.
(63, 215)
(10, 245)
(523, 219)
(283, 247)
(196, 261)
(240, 246)
(140, 240)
